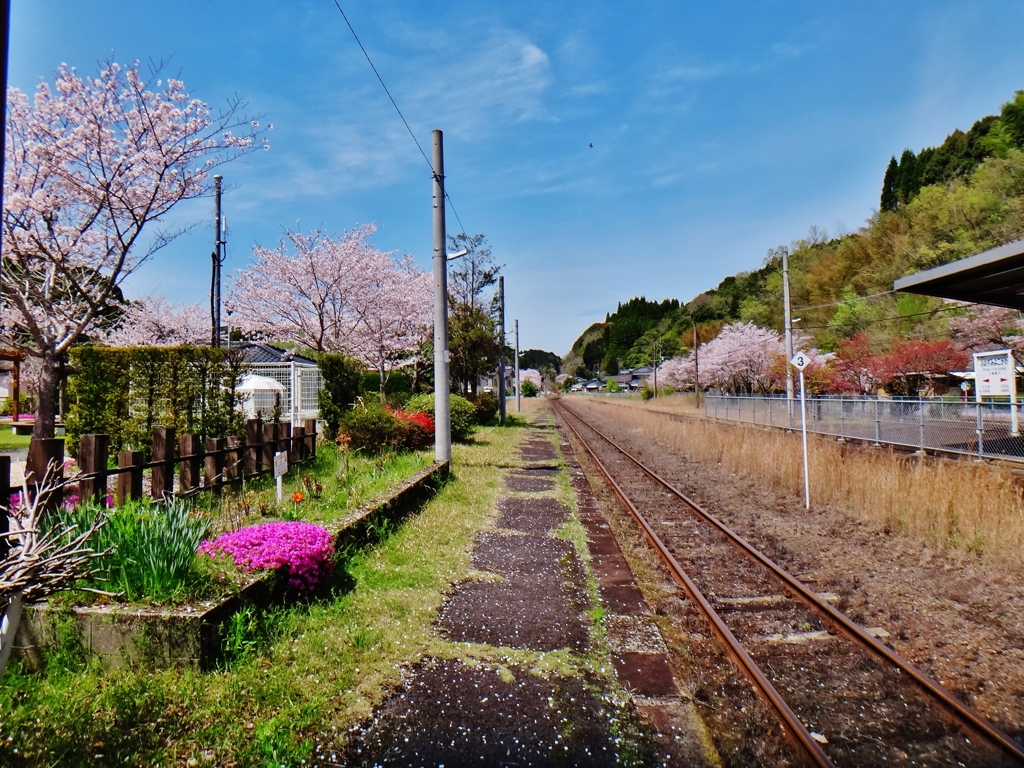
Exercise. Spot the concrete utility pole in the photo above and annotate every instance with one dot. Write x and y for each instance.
(519, 397)
(218, 261)
(442, 404)
(788, 320)
(5, 17)
(501, 353)
(696, 367)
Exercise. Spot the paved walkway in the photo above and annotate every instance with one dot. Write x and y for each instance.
(552, 699)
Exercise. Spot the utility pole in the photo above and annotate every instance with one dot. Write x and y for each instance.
(519, 397)
(218, 260)
(5, 17)
(788, 320)
(696, 367)
(442, 404)
(501, 353)
(657, 361)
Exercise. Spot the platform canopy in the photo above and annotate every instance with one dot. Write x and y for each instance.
(993, 277)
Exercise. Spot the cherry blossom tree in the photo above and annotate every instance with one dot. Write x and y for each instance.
(310, 295)
(156, 322)
(89, 163)
(394, 317)
(533, 376)
(336, 295)
(678, 372)
(983, 327)
(738, 358)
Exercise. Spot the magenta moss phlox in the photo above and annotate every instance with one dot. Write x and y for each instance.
(306, 550)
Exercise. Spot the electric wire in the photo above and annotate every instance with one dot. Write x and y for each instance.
(405, 122)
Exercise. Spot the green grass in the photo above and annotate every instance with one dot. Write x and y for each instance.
(297, 679)
(348, 480)
(11, 442)
(300, 677)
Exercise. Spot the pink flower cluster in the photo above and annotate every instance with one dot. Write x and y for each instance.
(306, 550)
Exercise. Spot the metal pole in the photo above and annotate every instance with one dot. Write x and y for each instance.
(803, 429)
(980, 431)
(788, 322)
(696, 367)
(5, 16)
(920, 403)
(519, 398)
(217, 261)
(501, 352)
(442, 406)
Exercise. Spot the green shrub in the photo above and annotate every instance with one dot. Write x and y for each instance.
(372, 428)
(463, 413)
(125, 392)
(646, 393)
(26, 404)
(342, 378)
(530, 389)
(398, 388)
(486, 404)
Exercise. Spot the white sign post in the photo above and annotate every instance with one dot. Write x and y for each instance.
(280, 470)
(995, 376)
(801, 361)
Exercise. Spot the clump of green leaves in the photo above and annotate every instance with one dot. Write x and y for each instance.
(151, 548)
(463, 413)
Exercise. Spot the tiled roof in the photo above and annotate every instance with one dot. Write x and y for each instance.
(264, 353)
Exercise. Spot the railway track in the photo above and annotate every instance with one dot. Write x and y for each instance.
(841, 695)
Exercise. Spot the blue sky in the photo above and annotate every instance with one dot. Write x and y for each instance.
(719, 130)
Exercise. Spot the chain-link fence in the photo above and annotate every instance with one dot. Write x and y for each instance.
(986, 431)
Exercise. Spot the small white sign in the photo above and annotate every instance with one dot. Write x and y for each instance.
(800, 361)
(280, 464)
(993, 374)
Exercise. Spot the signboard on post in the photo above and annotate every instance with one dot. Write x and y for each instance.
(800, 361)
(995, 376)
(280, 470)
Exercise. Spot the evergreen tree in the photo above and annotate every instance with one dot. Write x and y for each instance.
(907, 179)
(889, 199)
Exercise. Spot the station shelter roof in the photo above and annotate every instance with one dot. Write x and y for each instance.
(995, 276)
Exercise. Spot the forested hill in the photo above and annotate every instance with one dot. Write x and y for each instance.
(937, 205)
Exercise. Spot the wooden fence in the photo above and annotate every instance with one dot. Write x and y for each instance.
(180, 467)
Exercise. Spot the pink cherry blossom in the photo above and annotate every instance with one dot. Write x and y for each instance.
(89, 164)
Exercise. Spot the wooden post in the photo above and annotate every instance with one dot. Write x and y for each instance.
(190, 454)
(269, 445)
(298, 443)
(129, 484)
(311, 437)
(284, 437)
(5, 502)
(162, 480)
(213, 476)
(254, 441)
(42, 454)
(233, 462)
(92, 460)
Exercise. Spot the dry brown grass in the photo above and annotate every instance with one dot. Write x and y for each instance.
(957, 505)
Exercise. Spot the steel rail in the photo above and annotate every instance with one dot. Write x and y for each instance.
(793, 728)
(837, 621)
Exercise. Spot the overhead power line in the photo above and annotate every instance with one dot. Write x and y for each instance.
(395, 105)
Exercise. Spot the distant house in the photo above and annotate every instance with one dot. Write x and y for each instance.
(634, 379)
(594, 385)
(489, 383)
